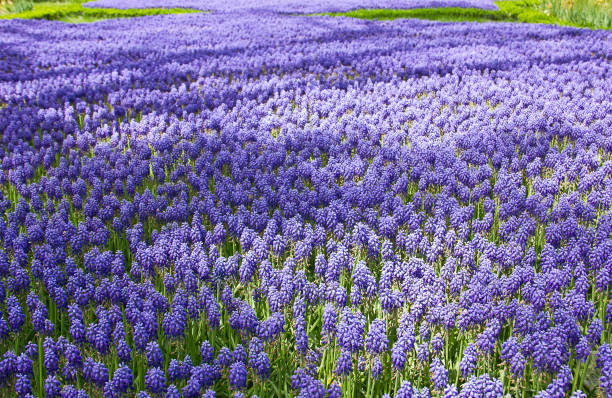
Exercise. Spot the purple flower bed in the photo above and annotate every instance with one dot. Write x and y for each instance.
(259, 205)
(290, 6)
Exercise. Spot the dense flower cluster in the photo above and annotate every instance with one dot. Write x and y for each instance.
(290, 6)
(255, 204)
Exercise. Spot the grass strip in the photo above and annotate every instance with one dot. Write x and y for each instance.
(524, 11)
(75, 12)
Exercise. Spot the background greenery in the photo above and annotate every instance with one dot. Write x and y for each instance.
(74, 12)
(594, 14)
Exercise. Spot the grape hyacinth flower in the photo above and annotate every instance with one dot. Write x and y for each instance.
(468, 361)
(344, 364)
(238, 375)
(439, 374)
(155, 381)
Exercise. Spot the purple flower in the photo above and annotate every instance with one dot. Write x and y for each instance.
(124, 352)
(51, 357)
(172, 392)
(451, 392)
(423, 352)
(175, 371)
(398, 354)
(239, 354)
(437, 344)
(23, 386)
(95, 372)
(155, 381)
(261, 364)
(405, 390)
(439, 374)
(604, 363)
(122, 379)
(225, 356)
(192, 388)
(486, 340)
(483, 386)
(306, 385)
(31, 350)
(344, 365)
(594, 332)
(272, 327)
(334, 391)
(583, 349)
(16, 317)
(207, 352)
(517, 365)
(329, 320)
(52, 387)
(468, 361)
(70, 392)
(350, 331)
(154, 355)
(24, 365)
(558, 387)
(377, 368)
(301, 335)
(509, 348)
(238, 375)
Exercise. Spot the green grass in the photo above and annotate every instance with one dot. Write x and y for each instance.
(74, 12)
(525, 11)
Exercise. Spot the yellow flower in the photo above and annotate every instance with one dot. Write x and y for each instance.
(330, 379)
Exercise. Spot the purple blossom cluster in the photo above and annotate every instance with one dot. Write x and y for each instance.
(290, 6)
(258, 204)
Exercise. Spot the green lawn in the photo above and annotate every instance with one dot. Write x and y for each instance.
(74, 12)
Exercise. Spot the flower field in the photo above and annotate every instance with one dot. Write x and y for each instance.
(250, 202)
(291, 6)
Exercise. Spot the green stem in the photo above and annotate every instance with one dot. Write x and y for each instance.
(40, 368)
(369, 387)
(580, 373)
(396, 387)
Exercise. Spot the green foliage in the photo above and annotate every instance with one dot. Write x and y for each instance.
(525, 11)
(75, 12)
(16, 6)
(581, 12)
